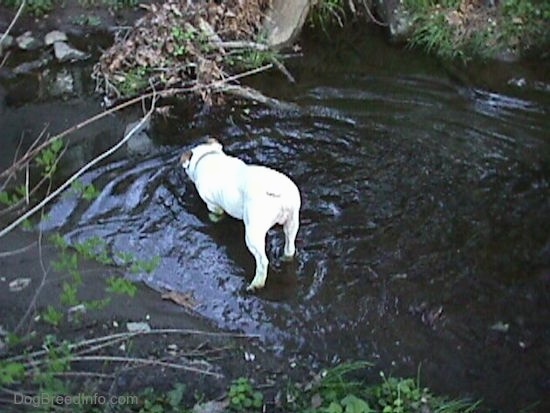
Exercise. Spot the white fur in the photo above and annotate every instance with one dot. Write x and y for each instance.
(260, 196)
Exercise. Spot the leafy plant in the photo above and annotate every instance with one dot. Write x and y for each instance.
(243, 398)
(337, 392)
(88, 192)
(49, 157)
(120, 285)
(120, 4)
(153, 402)
(134, 81)
(11, 372)
(86, 20)
(52, 316)
(34, 7)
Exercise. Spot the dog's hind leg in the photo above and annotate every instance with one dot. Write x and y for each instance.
(290, 228)
(255, 241)
(216, 213)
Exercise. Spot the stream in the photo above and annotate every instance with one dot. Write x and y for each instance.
(425, 224)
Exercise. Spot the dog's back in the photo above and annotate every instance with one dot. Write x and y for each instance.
(272, 191)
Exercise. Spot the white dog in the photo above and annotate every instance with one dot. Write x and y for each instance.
(260, 196)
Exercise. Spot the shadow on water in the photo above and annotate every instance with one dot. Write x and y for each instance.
(425, 221)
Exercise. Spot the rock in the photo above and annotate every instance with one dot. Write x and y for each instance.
(19, 284)
(63, 84)
(6, 42)
(134, 327)
(29, 67)
(65, 53)
(285, 20)
(27, 42)
(399, 19)
(140, 143)
(76, 312)
(54, 36)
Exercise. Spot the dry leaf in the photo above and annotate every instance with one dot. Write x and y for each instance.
(184, 299)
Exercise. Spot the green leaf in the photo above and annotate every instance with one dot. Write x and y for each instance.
(175, 396)
(52, 316)
(11, 372)
(354, 404)
(334, 408)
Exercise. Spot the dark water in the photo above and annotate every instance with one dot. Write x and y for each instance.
(424, 227)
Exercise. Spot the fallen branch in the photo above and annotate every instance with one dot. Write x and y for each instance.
(253, 94)
(5, 254)
(117, 337)
(135, 360)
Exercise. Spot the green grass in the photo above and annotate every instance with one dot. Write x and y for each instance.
(326, 13)
(517, 26)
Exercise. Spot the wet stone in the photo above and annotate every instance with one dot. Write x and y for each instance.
(63, 84)
(65, 53)
(6, 41)
(54, 36)
(140, 143)
(28, 42)
(30, 67)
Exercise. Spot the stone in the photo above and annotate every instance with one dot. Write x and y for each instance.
(63, 84)
(140, 143)
(396, 16)
(65, 53)
(54, 36)
(285, 20)
(6, 42)
(32, 66)
(134, 327)
(28, 42)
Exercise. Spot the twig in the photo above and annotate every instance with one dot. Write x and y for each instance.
(240, 45)
(22, 5)
(374, 19)
(32, 303)
(253, 94)
(284, 70)
(129, 335)
(5, 254)
(134, 360)
(81, 171)
(85, 374)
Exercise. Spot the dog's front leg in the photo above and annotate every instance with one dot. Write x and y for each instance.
(255, 241)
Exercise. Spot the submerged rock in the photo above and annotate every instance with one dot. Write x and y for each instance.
(65, 53)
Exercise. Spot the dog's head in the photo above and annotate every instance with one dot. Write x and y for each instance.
(189, 159)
